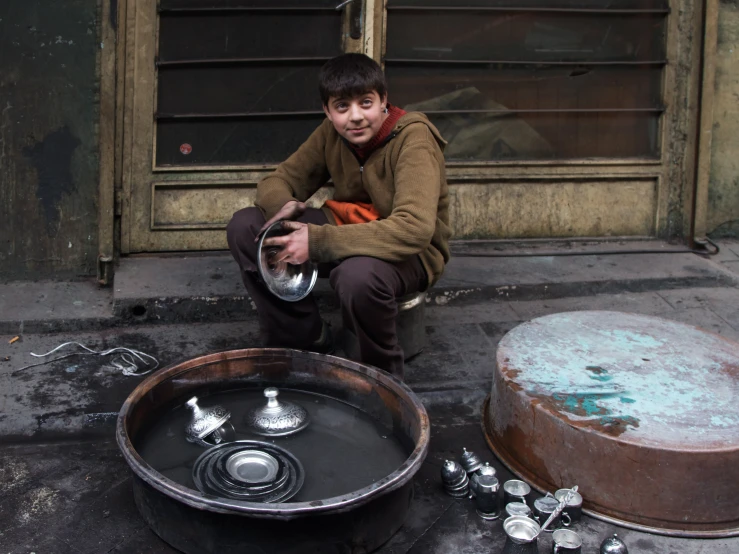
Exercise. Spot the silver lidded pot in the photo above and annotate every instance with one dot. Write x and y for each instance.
(485, 470)
(277, 418)
(613, 545)
(208, 426)
(455, 480)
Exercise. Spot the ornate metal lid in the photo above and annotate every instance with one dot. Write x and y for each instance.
(204, 420)
(469, 461)
(277, 418)
(486, 469)
(613, 545)
(452, 473)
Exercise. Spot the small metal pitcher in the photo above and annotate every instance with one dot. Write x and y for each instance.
(522, 536)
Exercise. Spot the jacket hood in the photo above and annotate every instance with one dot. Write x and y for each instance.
(418, 118)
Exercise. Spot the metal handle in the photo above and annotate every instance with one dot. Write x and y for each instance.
(566, 516)
(355, 18)
(558, 510)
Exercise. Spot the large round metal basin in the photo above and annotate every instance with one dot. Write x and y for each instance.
(353, 523)
(641, 412)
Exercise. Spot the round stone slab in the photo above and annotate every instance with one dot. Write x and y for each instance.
(641, 412)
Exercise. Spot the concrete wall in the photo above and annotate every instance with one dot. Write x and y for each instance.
(723, 192)
(48, 138)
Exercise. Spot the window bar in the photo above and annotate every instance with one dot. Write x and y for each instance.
(244, 115)
(522, 62)
(232, 9)
(238, 61)
(602, 11)
(549, 110)
(234, 115)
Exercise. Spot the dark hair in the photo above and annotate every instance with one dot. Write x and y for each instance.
(350, 75)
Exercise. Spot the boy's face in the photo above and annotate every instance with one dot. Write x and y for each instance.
(357, 119)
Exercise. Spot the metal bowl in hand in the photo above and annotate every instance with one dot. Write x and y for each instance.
(286, 281)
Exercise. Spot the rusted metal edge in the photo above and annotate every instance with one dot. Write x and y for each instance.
(544, 487)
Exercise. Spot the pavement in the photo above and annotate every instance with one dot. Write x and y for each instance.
(65, 487)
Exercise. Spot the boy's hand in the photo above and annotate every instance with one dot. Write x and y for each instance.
(291, 210)
(293, 247)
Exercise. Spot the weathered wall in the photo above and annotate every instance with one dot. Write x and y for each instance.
(723, 191)
(48, 138)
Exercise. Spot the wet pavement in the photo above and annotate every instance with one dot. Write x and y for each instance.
(65, 487)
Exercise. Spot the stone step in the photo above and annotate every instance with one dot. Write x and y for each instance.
(207, 287)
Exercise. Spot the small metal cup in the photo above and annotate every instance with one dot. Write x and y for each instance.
(518, 509)
(565, 541)
(516, 491)
(574, 505)
(486, 497)
(544, 507)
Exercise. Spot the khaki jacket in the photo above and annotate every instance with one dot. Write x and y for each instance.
(404, 179)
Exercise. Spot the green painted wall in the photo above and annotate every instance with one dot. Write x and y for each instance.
(48, 138)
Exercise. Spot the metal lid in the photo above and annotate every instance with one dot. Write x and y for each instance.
(252, 466)
(204, 420)
(452, 473)
(470, 461)
(613, 545)
(487, 469)
(252, 471)
(277, 418)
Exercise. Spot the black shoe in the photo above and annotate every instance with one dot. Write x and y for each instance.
(325, 343)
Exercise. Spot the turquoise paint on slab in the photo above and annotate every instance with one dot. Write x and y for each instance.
(662, 382)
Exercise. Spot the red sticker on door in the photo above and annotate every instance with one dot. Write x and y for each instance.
(185, 148)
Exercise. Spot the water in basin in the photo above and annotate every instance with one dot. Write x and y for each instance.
(342, 450)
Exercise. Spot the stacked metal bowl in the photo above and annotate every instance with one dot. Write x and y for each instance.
(252, 471)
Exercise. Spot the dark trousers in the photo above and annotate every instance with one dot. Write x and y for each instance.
(367, 290)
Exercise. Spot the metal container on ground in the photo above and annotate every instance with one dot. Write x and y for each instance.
(627, 406)
(195, 523)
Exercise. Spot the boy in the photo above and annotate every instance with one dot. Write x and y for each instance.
(384, 235)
